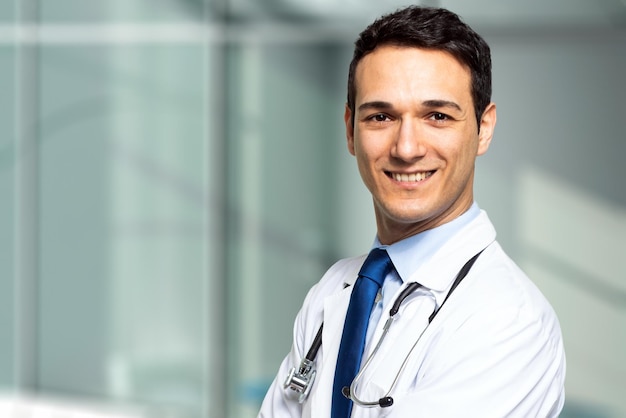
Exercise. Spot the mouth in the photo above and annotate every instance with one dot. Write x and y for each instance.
(410, 177)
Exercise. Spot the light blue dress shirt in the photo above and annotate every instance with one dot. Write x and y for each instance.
(408, 254)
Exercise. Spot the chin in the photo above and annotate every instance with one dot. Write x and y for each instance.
(409, 216)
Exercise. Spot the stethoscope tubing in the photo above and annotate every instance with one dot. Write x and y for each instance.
(350, 392)
(386, 400)
(411, 287)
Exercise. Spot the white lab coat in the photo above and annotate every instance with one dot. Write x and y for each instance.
(494, 350)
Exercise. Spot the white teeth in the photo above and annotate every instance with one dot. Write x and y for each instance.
(413, 177)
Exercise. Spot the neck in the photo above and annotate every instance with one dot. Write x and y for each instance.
(391, 231)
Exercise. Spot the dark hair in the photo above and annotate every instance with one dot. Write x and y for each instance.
(429, 28)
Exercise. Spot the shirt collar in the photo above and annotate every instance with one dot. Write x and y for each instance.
(407, 255)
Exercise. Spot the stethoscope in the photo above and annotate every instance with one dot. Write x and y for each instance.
(301, 379)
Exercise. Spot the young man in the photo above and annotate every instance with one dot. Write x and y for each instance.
(419, 112)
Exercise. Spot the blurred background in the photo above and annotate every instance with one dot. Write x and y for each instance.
(174, 178)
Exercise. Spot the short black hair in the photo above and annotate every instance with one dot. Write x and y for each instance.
(429, 28)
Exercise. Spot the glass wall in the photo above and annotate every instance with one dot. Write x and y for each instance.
(109, 168)
(175, 178)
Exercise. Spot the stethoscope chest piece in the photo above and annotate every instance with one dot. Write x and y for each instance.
(301, 379)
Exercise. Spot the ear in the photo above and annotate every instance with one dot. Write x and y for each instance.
(347, 119)
(487, 126)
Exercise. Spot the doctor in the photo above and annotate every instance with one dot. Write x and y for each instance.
(476, 339)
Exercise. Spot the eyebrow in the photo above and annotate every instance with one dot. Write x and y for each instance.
(375, 105)
(442, 103)
(427, 103)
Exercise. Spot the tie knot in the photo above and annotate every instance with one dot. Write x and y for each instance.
(376, 266)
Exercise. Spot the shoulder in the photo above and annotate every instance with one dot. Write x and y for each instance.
(498, 300)
(498, 327)
(499, 282)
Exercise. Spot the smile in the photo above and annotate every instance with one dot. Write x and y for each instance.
(411, 177)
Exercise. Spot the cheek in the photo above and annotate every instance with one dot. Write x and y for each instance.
(465, 150)
(463, 166)
(363, 163)
(366, 163)
(361, 152)
(370, 148)
(458, 158)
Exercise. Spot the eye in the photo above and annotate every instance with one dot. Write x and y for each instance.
(438, 116)
(378, 117)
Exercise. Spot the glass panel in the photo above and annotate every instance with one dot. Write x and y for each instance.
(7, 214)
(7, 12)
(116, 193)
(122, 236)
(285, 136)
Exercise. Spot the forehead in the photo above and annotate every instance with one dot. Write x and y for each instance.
(408, 72)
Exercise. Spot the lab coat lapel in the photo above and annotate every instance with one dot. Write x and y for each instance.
(335, 308)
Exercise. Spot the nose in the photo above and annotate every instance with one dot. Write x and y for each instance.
(409, 143)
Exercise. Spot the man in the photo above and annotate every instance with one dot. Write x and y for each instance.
(419, 112)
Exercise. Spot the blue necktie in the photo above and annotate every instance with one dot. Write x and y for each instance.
(371, 277)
